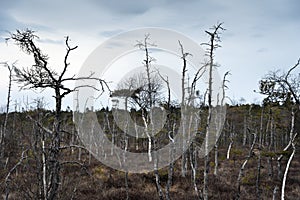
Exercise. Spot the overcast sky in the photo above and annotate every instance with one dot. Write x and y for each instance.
(261, 35)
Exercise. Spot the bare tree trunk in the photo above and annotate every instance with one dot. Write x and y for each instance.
(4, 127)
(231, 141)
(157, 178)
(291, 143)
(261, 128)
(206, 172)
(275, 192)
(193, 162)
(206, 157)
(171, 132)
(292, 137)
(148, 119)
(271, 146)
(241, 173)
(7, 178)
(286, 171)
(54, 163)
(44, 168)
(171, 164)
(148, 136)
(136, 136)
(183, 107)
(144, 45)
(216, 159)
(39, 152)
(212, 45)
(258, 190)
(229, 146)
(111, 132)
(218, 122)
(245, 131)
(125, 149)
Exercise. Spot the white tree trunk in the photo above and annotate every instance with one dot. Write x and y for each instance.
(275, 192)
(286, 171)
(241, 173)
(44, 169)
(229, 149)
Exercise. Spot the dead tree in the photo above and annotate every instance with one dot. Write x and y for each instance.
(4, 126)
(210, 51)
(270, 125)
(41, 76)
(144, 46)
(183, 107)
(150, 101)
(241, 173)
(287, 169)
(258, 154)
(171, 158)
(189, 94)
(231, 136)
(171, 130)
(219, 123)
(291, 143)
(8, 176)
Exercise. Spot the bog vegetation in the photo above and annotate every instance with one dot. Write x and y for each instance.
(255, 157)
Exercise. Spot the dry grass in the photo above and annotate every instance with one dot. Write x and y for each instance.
(100, 182)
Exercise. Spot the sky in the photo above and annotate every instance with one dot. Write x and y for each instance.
(260, 36)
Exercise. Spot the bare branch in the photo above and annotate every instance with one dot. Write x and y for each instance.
(166, 80)
(40, 125)
(241, 173)
(7, 178)
(291, 69)
(66, 64)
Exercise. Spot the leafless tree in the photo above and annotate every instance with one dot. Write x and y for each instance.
(3, 129)
(8, 176)
(241, 172)
(212, 45)
(231, 136)
(41, 76)
(144, 45)
(184, 87)
(141, 91)
(189, 122)
(293, 135)
(219, 121)
(171, 130)
(148, 120)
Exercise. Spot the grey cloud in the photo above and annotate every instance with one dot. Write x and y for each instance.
(8, 23)
(257, 35)
(110, 33)
(51, 41)
(262, 50)
(9, 4)
(127, 7)
(134, 7)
